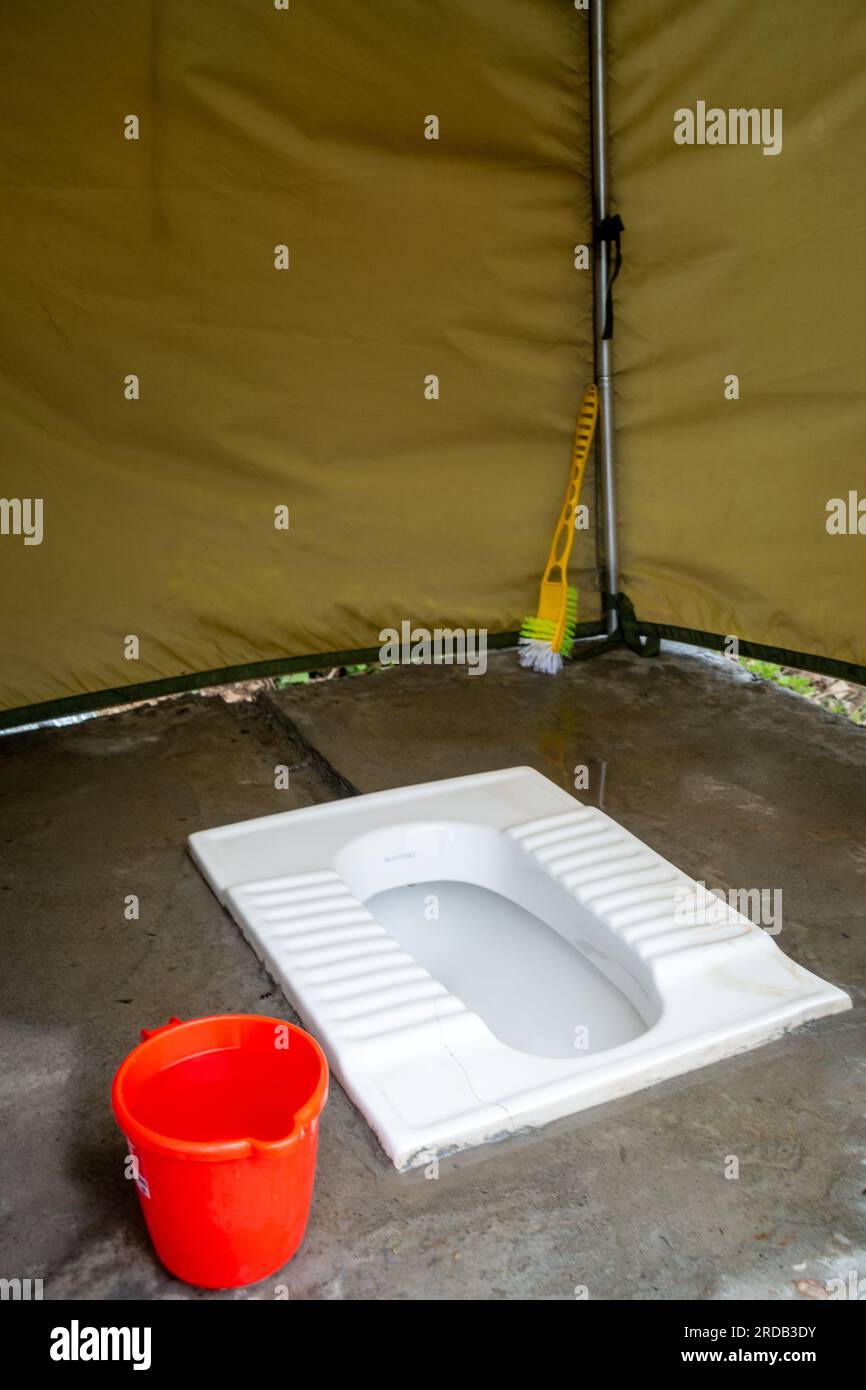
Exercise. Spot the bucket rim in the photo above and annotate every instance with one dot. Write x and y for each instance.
(217, 1150)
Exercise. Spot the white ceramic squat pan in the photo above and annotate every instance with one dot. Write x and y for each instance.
(486, 953)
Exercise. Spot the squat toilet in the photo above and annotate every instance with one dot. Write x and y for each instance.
(485, 953)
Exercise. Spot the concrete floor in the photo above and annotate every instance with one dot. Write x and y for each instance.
(740, 784)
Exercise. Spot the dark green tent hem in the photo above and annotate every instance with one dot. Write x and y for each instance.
(225, 675)
(282, 666)
(782, 656)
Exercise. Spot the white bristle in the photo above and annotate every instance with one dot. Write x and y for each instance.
(539, 656)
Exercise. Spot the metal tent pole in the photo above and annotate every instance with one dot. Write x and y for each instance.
(601, 269)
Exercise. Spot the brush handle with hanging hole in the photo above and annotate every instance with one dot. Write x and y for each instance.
(560, 549)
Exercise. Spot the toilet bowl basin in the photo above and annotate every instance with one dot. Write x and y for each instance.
(487, 953)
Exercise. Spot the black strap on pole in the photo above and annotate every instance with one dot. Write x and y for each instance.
(610, 230)
(636, 638)
(629, 632)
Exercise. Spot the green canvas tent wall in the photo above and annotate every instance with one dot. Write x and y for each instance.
(318, 262)
(748, 265)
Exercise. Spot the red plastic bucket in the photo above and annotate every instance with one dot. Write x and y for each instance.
(222, 1118)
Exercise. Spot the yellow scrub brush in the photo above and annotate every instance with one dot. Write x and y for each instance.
(548, 636)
